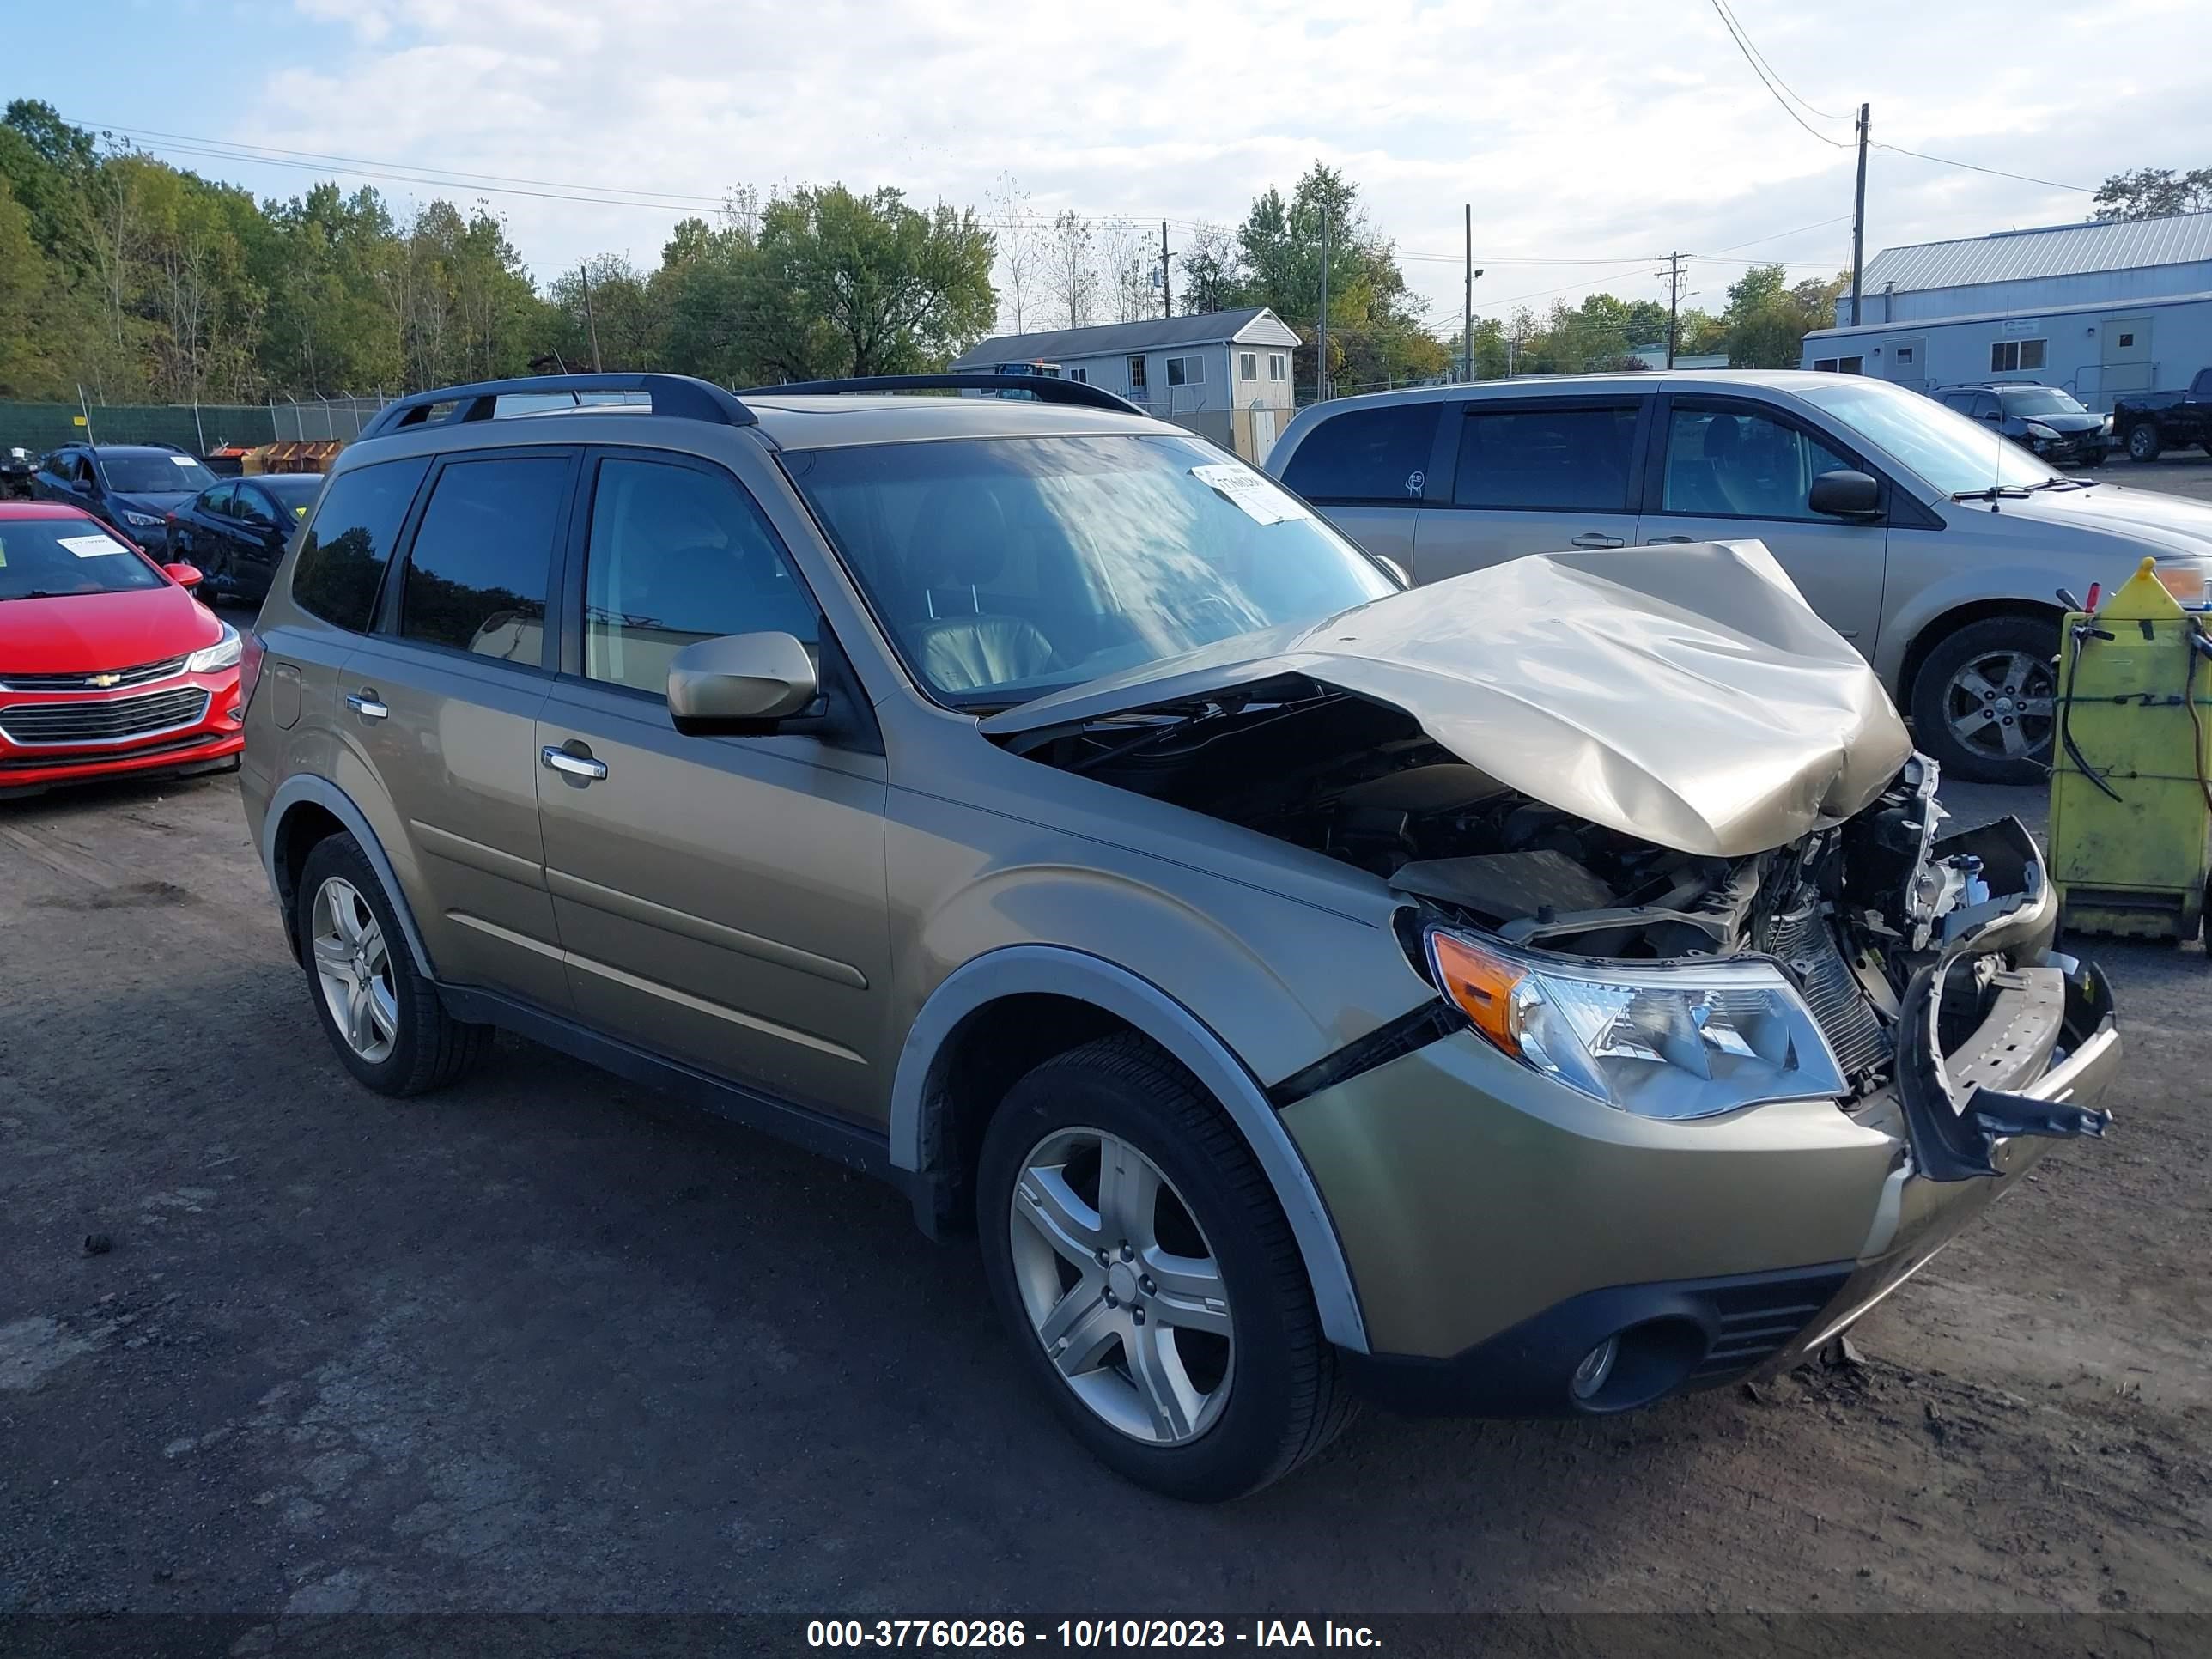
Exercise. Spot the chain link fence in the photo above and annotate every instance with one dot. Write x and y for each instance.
(201, 428)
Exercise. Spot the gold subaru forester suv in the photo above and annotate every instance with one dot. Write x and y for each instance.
(1542, 992)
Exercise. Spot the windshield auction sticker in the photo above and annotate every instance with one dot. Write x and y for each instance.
(91, 547)
(1262, 502)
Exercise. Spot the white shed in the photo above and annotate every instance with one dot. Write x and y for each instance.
(2103, 308)
(1225, 375)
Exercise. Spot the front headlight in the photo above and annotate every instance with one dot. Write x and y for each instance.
(221, 654)
(1680, 1039)
(144, 520)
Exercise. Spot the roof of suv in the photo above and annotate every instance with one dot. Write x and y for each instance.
(823, 423)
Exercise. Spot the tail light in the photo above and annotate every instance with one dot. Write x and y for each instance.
(250, 652)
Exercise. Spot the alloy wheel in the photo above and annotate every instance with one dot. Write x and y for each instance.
(2001, 704)
(354, 967)
(1120, 1286)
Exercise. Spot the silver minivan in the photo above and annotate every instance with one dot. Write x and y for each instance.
(1932, 543)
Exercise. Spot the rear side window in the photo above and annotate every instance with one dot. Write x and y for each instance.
(342, 556)
(1567, 460)
(477, 572)
(1379, 454)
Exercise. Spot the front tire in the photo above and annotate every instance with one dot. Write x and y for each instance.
(1148, 1278)
(378, 1011)
(1984, 701)
(2142, 442)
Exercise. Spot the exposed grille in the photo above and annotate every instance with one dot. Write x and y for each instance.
(112, 719)
(93, 679)
(1757, 1318)
(1805, 942)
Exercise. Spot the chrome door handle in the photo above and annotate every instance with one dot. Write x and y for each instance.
(573, 765)
(1657, 540)
(1592, 539)
(364, 703)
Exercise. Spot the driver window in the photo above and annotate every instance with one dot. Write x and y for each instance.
(217, 503)
(1732, 462)
(678, 555)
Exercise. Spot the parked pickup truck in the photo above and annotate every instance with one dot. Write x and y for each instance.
(2155, 421)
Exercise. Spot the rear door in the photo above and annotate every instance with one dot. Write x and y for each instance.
(1728, 469)
(1532, 475)
(440, 703)
(1367, 471)
(721, 900)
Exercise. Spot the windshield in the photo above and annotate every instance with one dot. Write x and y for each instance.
(295, 491)
(45, 558)
(155, 475)
(1952, 453)
(2041, 400)
(1004, 569)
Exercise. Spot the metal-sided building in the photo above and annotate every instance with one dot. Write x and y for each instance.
(1225, 375)
(2103, 308)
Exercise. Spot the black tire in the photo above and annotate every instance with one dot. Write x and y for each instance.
(430, 1048)
(2142, 442)
(1931, 693)
(1287, 1400)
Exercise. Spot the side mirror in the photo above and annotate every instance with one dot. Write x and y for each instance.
(1396, 570)
(184, 575)
(740, 685)
(1846, 494)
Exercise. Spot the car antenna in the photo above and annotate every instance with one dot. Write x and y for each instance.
(1996, 477)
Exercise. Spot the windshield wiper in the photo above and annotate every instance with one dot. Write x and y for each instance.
(35, 593)
(2067, 484)
(1995, 492)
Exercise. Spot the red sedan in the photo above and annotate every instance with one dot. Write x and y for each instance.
(108, 665)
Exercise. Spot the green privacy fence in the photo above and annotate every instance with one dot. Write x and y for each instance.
(201, 428)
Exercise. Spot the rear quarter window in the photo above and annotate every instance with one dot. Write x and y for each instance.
(344, 553)
(1378, 455)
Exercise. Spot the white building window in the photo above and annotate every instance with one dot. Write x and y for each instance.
(1247, 365)
(1081, 376)
(1840, 365)
(1278, 365)
(2015, 356)
(1186, 371)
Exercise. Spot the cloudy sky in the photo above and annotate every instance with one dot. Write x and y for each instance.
(1589, 137)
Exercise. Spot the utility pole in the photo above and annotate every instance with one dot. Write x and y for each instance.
(590, 327)
(1166, 294)
(1321, 365)
(1858, 211)
(1467, 302)
(1674, 304)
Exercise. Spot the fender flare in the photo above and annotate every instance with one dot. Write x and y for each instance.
(305, 788)
(1017, 970)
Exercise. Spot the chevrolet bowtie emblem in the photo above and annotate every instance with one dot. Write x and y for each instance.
(103, 680)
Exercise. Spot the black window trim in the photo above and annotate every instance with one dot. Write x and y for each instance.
(1436, 406)
(384, 617)
(1655, 467)
(1443, 474)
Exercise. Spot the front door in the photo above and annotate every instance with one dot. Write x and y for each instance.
(1727, 469)
(442, 702)
(720, 900)
(2128, 366)
(1532, 476)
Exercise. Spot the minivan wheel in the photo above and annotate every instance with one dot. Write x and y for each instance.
(1984, 701)
(382, 1016)
(2142, 442)
(1149, 1279)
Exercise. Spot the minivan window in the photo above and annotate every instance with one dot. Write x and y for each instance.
(1729, 462)
(1005, 568)
(342, 556)
(477, 572)
(676, 556)
(1377, 455)
(1949, 450)
(1546, 458)
(2041, 400)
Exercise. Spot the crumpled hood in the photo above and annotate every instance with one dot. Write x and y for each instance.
(1685, 695)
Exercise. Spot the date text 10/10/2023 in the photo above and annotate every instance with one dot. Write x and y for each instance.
(1081, 1634)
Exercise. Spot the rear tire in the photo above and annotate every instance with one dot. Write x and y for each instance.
(381, 1014)
(1983, 701)
(2142, 442)
(1253, 1388)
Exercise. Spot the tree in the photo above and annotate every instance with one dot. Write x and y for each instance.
(1209, 274)
(1766, 321)
(1021, 257)
(1126, 271)
(1071, 277)
(2153, 193)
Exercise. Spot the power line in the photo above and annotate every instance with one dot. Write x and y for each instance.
(1743, 34)
(1998, 172)
(1751, 57)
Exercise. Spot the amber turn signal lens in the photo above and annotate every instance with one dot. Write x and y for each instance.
(1481, 985)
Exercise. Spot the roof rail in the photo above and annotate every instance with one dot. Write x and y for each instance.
(1042, 387)
(672, 394)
